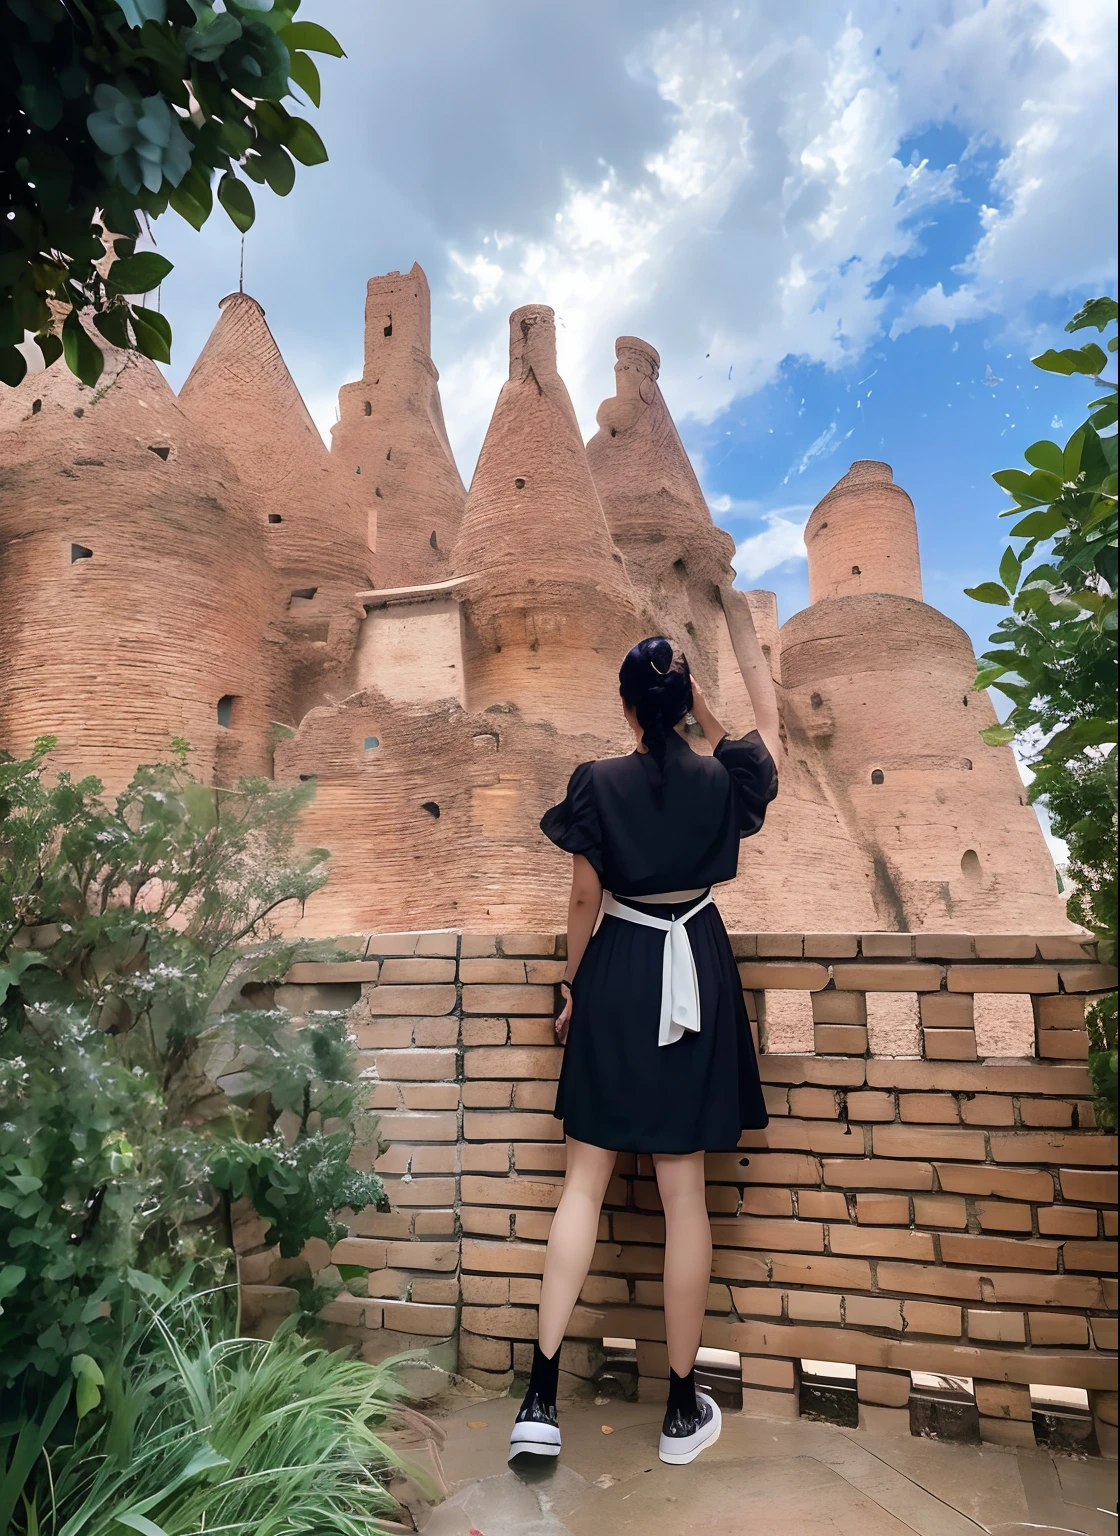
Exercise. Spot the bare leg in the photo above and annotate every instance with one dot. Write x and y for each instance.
(571, 1242)
(688, 1254)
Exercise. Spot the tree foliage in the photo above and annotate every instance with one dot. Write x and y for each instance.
(113, 111)
(139, 1095)
(1055, 652)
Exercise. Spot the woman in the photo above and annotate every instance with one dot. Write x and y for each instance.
(659, 1056)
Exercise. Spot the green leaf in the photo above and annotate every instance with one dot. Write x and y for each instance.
(152, 332)
(989, 592)
(998, 735)
(1041, 524)
(1071, 457)
(141, 1523)
(306, 75)
(1009, 569)
(1070, 360)
(237, 201)
(11, 1278)
(1105, 417)
(113, 325)
(1015, 481)
(192, 199)
(13, 365)
(83, 355)
(87, 1373)
(1045, 455)
(50, 346)
(1098, 312)
(18, 961)
(279, 171)
(305, 144)
(311, 36)
(140, 273)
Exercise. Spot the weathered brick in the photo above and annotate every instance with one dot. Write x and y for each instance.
(532, 1032)
(414, 1317)
(498, 998)
(1099, 1258)
(931, 1317)
(839, 1008)
(1063, 1044)
(892, 1022)
(510, 1062)
(443, 1257)
(926, 1142)
(490, 1157)
(420, 1192)
(1067, 946)
(840, 1039)
(1066, 1221)
(940, 1211)
(760, 1371)
(492, 969)
(382, 1034)
(780, 945)
(1104, 1332)
(883, 1210)
(789, 1134)
(1087, 978)
(487, 1095)
(535, 1096)
(1062, 1011)
(878, 1173)
(988, 1109)
(813, 1306)
(477, 1189)
(511, 1125)
(534, 944)
(1002, 1399)
(882, 1242)
(1002, 978)
(1016, 1434)
(831, 946)
(928, 1109)
(1095, 1188)
(771, 1202)
(811, 1069)
(821, 1205)
(928, 1280)
(819, 1103)
(436, 1032)
(1004, 1023)
(487, 1354)
(949, 1044)
(887, 946)
(1005, 946)
(423, 998)
(485, 1031)
(946, 1010)
(943, 946)
(544, 972)
(475, 944)
(992, 1077)
(870, 1105)
(763, 1232)
(783, 1168)
(434, 1126)
(1003, 1252)
(1006, 1183)
(414, 1065)
(1003, 1216)
(1040, 1147)
(756, 1300)
(800, 976)
(988, 1327)
(1057, 1113)
(319, 971)
(1020, 1289)
(413, 970)
(873, 1312)
(820, 1271)
(430, 1095)
(916, 977)
(1050, 1328)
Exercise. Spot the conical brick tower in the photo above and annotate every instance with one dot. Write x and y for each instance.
(675, 555)
(884, 683)
(312, 527)
(390, 441)
(551, 611)
(134, 592)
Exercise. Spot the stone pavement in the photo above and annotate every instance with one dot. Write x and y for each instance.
(765, 1476)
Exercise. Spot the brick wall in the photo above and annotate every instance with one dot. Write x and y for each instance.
(940, 1211)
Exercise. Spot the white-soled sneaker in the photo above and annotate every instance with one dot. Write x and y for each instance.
(535, 1430)
(685, 1435)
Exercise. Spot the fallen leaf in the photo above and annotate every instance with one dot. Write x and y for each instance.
(607, 1430)
(601, 1402)
(476, 1424)
(474, 1531)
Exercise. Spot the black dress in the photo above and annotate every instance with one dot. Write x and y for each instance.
(646, 833)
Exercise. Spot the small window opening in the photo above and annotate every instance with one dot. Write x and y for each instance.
(519, 483)
(371, 743)
(970, 865)
(815, 700)
(388, 331)
(389, 456)
(680, 567)
(358, 470)
(225, 710)
(691, 628)
(274, 517)
(307, 778)
(161, 450)
(877, 776)
(433, 541)
(614, 431)
(964, 701)
(968, 762)
(856, 570)
(377, 493)
(305, 592)
(36, 407)
(822, 527)
(79, 410)
(367, 407)
(80, 552)
(432, 809)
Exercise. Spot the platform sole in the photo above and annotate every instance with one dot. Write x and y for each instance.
(678, 1453)
(534, 1440)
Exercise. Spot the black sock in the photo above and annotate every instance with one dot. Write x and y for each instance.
(682, 1392)
(545, 1376)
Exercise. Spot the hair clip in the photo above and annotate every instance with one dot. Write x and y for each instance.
(658, 670)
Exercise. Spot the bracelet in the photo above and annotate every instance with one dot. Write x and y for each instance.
(564, 982)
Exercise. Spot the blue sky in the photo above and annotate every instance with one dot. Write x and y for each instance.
(845, 231)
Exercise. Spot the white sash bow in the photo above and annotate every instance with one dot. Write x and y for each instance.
(680, 986)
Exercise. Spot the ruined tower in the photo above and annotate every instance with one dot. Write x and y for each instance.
(390, 440)
(134, 593)
(311, 525)
(883, 682)
(551, 610)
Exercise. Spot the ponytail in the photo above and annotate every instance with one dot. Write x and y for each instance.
(656, 684)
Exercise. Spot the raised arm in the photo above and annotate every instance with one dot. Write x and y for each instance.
(753, 666)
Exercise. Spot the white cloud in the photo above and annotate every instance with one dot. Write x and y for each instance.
(780, 542)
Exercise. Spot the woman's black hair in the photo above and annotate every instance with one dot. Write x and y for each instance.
(657, 685)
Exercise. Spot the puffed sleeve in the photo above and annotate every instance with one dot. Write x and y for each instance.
(574, 824)
(754, 779)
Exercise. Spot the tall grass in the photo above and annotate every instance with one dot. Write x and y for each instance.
(203, 1434)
